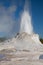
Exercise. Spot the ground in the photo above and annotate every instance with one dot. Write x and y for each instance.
(12, 57)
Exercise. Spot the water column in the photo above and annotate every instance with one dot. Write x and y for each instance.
(26, 25)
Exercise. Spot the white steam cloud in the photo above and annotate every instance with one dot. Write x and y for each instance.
(6, 19)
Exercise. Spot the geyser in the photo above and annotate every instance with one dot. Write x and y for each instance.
(25, 40)
(26, 25)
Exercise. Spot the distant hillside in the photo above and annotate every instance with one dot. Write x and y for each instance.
(41, 40)
(2, 39)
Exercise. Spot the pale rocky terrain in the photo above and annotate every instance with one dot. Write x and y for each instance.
(9, 57)
(24, 49)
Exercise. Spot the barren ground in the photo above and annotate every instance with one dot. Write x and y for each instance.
(12, 57)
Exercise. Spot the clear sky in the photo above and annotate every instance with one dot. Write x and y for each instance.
(10, 12)
(37, 16)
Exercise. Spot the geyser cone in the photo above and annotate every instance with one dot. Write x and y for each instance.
(26, 25)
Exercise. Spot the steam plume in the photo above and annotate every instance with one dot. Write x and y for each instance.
(26, 25)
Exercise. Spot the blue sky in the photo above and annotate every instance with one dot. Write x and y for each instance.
(37, 16)
(10, 12)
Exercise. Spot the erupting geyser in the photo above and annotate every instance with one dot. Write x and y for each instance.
(25, 40)
(25, 48)
(26, 25)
